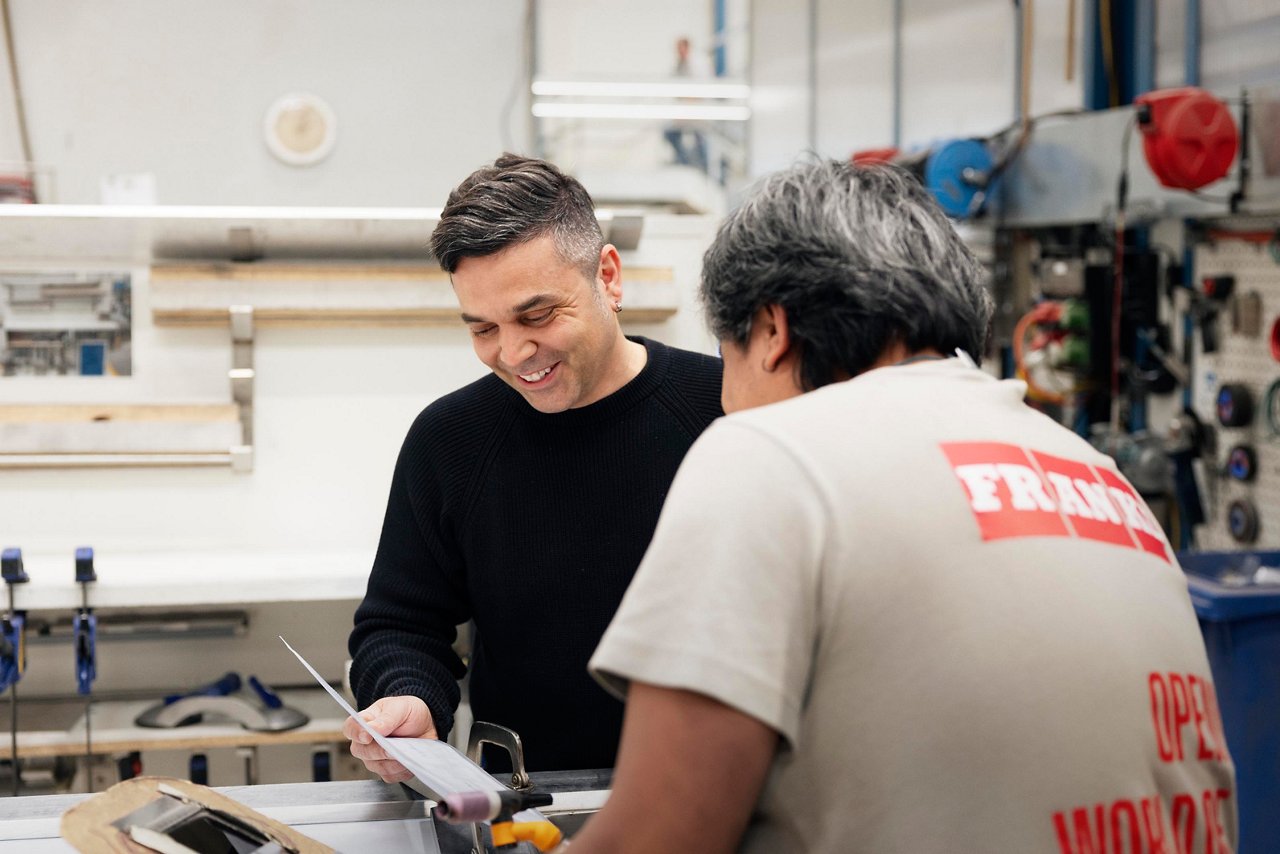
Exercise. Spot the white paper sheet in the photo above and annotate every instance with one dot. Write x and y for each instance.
(440, 768)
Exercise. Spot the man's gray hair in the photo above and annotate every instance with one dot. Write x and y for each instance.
(516, 200)
(859, 257)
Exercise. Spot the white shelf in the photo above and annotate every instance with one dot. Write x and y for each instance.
(140, 234)
(191, 579)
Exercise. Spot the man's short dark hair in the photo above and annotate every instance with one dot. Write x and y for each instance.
(516, 200)
(859, 257)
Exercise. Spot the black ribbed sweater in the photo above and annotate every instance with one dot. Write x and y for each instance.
(532, 525)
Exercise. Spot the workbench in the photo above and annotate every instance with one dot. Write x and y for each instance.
(352, 817)
(115, 732)
(56, 728)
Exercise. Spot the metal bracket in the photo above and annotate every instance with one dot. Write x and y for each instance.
(241, 376)
(624, 230)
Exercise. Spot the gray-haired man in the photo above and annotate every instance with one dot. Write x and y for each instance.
(890, 607)
(525, 500)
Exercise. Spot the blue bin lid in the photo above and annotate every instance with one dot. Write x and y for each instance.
(1220, 602)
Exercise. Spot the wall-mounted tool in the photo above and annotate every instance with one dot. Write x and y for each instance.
(960, 173)
(85, 628)
(13, 647)
(1206, 307)
(1242, 463)
(1235, 405)
(1242, 521)
(1188, 136)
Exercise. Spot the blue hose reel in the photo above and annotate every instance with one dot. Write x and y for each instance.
(957, 172)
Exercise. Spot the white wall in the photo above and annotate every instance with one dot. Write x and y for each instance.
(1238, 44)
(618, 39)
(181, 89)
(331, 408)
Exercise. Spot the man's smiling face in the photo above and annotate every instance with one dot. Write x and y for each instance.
(541, 324)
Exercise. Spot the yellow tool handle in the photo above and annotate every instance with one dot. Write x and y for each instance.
(543, 834)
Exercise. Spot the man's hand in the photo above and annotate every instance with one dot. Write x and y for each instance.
(402, 717)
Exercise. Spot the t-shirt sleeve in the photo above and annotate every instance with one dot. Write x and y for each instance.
(725, 601)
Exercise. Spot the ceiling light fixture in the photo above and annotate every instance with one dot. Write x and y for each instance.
(672, 112)
(598, 89)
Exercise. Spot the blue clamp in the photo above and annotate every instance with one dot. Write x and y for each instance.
(84, 566)
(13, 638)
(85, 625)
(86, 633)
(228, 684)
(269, 698)
(11, 567)
(13, 649)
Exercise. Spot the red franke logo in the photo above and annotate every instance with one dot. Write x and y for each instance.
(1018, 492)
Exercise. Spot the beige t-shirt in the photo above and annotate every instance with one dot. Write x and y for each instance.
(967, 628)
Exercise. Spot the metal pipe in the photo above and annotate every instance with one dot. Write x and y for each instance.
(813, 75)
(1191, 56)
(720, 14)
(531, 71)
(1019, 48)
(897, 73)
(1144, 48)
(19, 107)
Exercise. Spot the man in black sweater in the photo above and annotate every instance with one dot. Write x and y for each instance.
(525, 500)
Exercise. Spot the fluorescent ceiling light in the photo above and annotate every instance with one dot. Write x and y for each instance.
(673, 112)
(589, 89)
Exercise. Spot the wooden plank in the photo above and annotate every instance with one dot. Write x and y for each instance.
(354, 317)
(114, 730)
(259, 272)
(46, 413)
(312, 317)
(279, 272)
(176, 740)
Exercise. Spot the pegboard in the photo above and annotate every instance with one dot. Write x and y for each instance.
(1247, 360)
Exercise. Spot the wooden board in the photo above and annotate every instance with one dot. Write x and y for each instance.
(347, 294)
(42, 413)
(114, 730)
(307, 272)
(354, 317)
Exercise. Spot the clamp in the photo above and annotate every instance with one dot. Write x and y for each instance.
(499, 809)
(85, 632)
(13, 646)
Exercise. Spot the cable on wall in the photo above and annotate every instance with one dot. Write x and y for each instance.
(19, 108)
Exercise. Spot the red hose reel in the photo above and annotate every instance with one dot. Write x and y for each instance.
(1189, 137)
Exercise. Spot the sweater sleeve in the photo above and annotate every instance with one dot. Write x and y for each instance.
(402, 643)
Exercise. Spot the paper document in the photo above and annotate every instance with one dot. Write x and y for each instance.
(440, 768)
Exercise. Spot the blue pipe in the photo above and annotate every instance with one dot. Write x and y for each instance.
(1191, 59)
(1097, 94)
(1143, 78)
(720, 13)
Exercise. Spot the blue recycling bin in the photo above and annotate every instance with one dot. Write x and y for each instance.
(1240, 620)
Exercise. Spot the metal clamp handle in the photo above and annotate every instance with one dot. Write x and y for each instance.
(483, 732)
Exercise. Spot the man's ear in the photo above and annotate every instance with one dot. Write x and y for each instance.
(609, 273)
(771, 321)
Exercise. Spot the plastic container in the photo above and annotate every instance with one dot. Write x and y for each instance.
(1238, 605)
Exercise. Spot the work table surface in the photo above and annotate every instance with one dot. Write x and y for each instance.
(348, 816)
